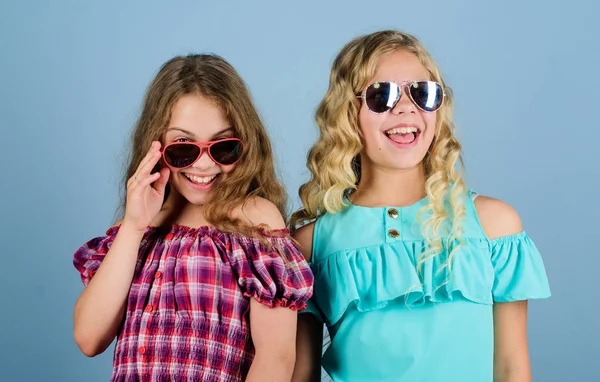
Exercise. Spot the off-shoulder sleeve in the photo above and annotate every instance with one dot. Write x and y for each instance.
(272, 271)
(89, 256)
(519, 269)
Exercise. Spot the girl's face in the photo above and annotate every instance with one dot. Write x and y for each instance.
(397, 139)
(197, 119)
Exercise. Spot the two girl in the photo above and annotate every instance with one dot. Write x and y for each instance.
(416, 277)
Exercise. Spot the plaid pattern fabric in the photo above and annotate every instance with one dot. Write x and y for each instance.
(187, 315)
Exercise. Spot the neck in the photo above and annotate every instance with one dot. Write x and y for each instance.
(380, 186)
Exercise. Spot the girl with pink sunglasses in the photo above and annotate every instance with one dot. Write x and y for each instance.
(200, 279)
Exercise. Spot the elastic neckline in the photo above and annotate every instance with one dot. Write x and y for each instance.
(205, 229)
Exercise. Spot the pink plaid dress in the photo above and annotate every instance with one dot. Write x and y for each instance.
(187, 315)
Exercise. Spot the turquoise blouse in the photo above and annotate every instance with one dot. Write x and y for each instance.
(387, 321)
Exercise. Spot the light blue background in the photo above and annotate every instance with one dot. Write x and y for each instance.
(72, 76)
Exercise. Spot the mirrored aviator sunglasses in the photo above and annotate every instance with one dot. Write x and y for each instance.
(224, 152)
(383, 96)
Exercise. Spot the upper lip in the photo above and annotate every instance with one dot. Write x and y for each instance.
(400, 125)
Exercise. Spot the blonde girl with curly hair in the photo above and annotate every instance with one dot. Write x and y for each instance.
(417, 278)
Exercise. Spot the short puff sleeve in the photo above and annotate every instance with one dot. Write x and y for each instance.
(271, 270)
(519, 272)
(89, 256)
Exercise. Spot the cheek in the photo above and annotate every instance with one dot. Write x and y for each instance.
(173, 173)
(430, 120)
(369, 124)
(227, 169)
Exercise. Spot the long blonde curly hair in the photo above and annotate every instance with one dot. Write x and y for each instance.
(334, 159)
(212, 77)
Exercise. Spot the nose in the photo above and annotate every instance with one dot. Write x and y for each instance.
(204, 162)
(404, 104)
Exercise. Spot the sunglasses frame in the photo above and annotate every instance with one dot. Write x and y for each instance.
(202, 146)
(401, 86)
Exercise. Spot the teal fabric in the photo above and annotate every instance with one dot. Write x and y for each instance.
(390, 322)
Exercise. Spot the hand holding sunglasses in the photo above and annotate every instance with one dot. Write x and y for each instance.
(224, 152)
(145, 191)
(384, 95)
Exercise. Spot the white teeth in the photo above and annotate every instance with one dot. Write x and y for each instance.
(402, 130)
(200, 179)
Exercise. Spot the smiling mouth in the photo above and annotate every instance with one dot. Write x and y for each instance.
(403, 135)
(200, 180)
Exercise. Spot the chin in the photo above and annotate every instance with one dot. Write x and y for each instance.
(194, 197)
(405, 166)
(197, 198)
(404, 162)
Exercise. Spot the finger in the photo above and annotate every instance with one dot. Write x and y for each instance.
(149, 179)
(152, 152)
(163, 179)
(133, 182)
(150, 162)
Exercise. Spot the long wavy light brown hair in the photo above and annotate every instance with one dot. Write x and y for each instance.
(212, 77)
(334, 160)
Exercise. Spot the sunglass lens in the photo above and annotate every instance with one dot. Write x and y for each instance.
(382, 96)
(226, 152)
(181, 155)
(428, 95)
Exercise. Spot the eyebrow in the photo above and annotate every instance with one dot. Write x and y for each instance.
(180, 129)
(219, 133)
(226, 130)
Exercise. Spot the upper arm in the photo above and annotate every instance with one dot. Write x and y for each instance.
(309, 339)
(270, 327)
(260, 211)
(309, 348)
(273, 329)
(511, 356)
(497, 218)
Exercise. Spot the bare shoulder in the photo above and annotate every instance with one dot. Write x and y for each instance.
(497, 217)
(304, 237)
(258, 211)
